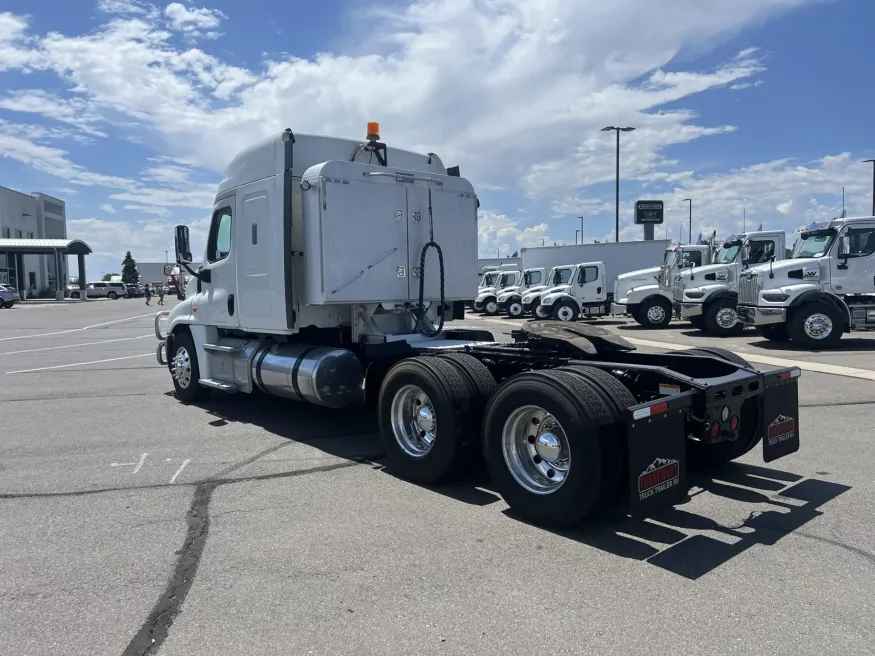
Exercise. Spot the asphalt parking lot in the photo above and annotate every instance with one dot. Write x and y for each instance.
(133, 524)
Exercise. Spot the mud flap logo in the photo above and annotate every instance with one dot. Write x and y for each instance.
(661, 475)
(781, 429)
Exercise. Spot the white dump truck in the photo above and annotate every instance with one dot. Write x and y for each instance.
(332, 272)
(646, 294)
(707, 296)
(825, 289)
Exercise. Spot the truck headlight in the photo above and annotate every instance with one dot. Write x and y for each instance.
(775, 298)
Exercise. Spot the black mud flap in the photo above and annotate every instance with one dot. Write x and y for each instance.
(780, 413)
(657, 436)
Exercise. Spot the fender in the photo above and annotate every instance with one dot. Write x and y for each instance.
(514, 298)
(565, 297)
(835, 301)
(720, 294)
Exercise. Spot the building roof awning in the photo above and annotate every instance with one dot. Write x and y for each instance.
(45, 246)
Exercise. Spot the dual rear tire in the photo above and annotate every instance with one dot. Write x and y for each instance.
(439, 415)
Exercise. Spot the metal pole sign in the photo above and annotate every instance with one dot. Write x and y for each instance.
(649, 212)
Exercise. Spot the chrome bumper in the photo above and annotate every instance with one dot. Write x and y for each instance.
(758, 316)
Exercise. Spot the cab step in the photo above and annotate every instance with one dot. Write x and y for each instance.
(218, 384)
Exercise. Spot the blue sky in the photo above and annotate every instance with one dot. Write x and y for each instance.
(129, 110)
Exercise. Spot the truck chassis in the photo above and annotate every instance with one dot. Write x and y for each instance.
(559, 394)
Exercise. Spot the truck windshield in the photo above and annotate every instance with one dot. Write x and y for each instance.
(728, 252)
(562, 276)
(669, 256)
(507, 280)
(489, 279)
(813, 244)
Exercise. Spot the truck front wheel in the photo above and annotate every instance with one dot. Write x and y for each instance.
(546, 437)
(654, 313)
(428, 418)
(566, 311)
(515, 309)
(539, 311)
(185, 370)
(815, 325)
(490, 306)
(721, 318)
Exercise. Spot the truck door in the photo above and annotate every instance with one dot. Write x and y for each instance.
(856, 274)
(589, 284)
(217, 301)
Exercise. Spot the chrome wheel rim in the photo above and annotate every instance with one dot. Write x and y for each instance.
(565, 313)
(414, 424)
(182, 367)
(536, 450)
(656, 314)
(515, 309)
(540, 312)
(726, 318)
(817, 326)
(491, 307)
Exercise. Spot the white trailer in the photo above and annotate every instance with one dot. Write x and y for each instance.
(616, 258)
(328, 279)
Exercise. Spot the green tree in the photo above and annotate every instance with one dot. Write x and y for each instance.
(130, 275)
(516, 254)
(108, 276)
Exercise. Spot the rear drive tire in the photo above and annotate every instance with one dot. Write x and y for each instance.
(816, 325)
(776, 332)
(185, 370)
(654, 313)
(427, 414)
(721, 318)
(546, 437)
(704, 456)
(566, 311)
(698, 323)
(616, 397)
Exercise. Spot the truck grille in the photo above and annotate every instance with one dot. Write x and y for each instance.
(748, 288)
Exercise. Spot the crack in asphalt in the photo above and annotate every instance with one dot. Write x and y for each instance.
(837, 405)
(157, 626)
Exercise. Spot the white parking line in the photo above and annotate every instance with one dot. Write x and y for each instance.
(53, 348)
(76, 330)
(805, 365)
(80, 364)
(179, 471)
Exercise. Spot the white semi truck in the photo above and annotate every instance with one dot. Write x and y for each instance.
(511, 301)
(487, 297)
(332, 280)
(825, 289)
(707, 296)
(646, 294)
(617, 258)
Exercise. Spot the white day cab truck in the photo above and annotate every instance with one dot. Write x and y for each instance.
(707, 296)
(510, 301)
(646, 294)
(590, 295)
(331, 280)
(825, 289)
(510, 277)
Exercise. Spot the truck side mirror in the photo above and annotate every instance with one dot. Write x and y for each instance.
(168, 269)
(844, 246)
(745, 254)
(182, 245)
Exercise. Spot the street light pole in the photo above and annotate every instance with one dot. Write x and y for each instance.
(690, 201)
(576, 232)
(581, 228)
(873, 183)
(618, 131)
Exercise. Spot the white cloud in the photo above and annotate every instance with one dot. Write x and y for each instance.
(501, 234)
(195, 21)
(513, 91)
(107, 207)
(148, 209)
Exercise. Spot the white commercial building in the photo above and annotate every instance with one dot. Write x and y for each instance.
(31, 217)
